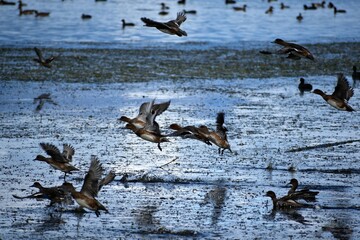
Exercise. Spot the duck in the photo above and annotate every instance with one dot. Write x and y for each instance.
(219, 136)
(243, 8)
(283, 202)
(25, 12)
(140, 120)
(58, 160)
(171, 27)
(230, 1)
(90, 188)
(189, 132)
(305, 194)
(330, 5)
(311, 7)
(299, 17)
(42, 99)
(181, 2)
(340, 97)
(283, 6)
(304, 87)
(270, 10)
(125, 24)
(85, 16)
(164, 7)
(151, 130)
(321, 4)
(338, 10)
(293, 50)
(189, 11)
(355, 75)
(41, 14)
(54, 194)
(3, 2)
(45, 62)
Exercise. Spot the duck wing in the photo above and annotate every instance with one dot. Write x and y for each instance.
(39, 54)
(343, 89)
(181, 17)
(151, 23)
(53, 151)
(91, 181)
(68, 152)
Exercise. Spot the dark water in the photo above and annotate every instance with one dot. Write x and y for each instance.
(214, 23)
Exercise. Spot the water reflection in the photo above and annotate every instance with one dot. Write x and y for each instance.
(217, 198)
(290, 214)
(339, 228)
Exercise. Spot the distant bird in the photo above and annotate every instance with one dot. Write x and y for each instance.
(181, 2)
(41, 14)
(304, 87)
(58, 160)
(293, 50)
(355, 75)
(90, 188)
(299, 17)
(164, 7)
(282, 203)
(219, 136)
(321, 5)
(270, 10)
(163, 13)
(311, 7)
(151, 130)
(21, 4)
(338, 10)
(283, 6)
(189, 11)
(269, 1)
(3, 2)
(25, 12)
(191, 132)
(230, 1)
(42, 99)
(304, 194)
(243, 8)
(85, 16)
(340, 97)
(41, 60)
(171, 27)
(330, 5)
(125, 24)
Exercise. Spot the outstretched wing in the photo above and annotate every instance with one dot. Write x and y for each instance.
(68, 152)
(91, 181)
(181, 17)
(151, 23)
(343, 89)
(53, 151)
(38, 53)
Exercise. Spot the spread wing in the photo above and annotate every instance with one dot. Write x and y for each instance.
(91, 181)
(107, 179)
(38, 53)
(68, 152)
(53, 151)
(343, 89)
(151, 23)
(181, 17)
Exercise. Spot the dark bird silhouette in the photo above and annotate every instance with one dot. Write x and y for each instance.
(299, 17)
(270, 10)
(339, 10)
(243, 8)
(171, 27)
(125, 24)
(304, 87)
(85, 16)
(293, 50)
(41, 60)
(42, 99)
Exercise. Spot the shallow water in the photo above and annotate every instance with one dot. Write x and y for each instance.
(214, 22)
(265, 118)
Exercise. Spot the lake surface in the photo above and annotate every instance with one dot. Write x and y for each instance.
(214, 23)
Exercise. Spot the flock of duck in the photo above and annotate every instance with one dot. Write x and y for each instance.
(144, 125)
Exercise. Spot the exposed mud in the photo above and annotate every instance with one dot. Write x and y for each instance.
(199, 193)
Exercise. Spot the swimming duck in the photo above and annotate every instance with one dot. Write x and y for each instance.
(3, 2)
(330, 5)
(181, 2)
(85, 16)
(41, 14)
(230, 1)
(293, 50)
(340, 97)
(355, 75)
(284, 202)
(125, 24)
(171, 27)
(311, 7)
(189, 11)
(270, 10)
(305, 194)
(41, 60)
(321, 5)
(90, 188)
(283, 6)
(164, 7)
(42, 99)
(58, 160)
(304, 87)
(189, 132)
(338, 10)
(25, 12)
(219, 136)
(140, 120)
(299, 17)
(243, 8)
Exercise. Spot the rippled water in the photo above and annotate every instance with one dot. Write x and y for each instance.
(214, 22)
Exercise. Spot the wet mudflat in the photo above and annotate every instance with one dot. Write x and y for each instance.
(188, 189)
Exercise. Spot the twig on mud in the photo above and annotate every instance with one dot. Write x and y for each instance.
(176, 158)
(322, 145)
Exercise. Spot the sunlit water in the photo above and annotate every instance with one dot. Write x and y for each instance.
(214, 23)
